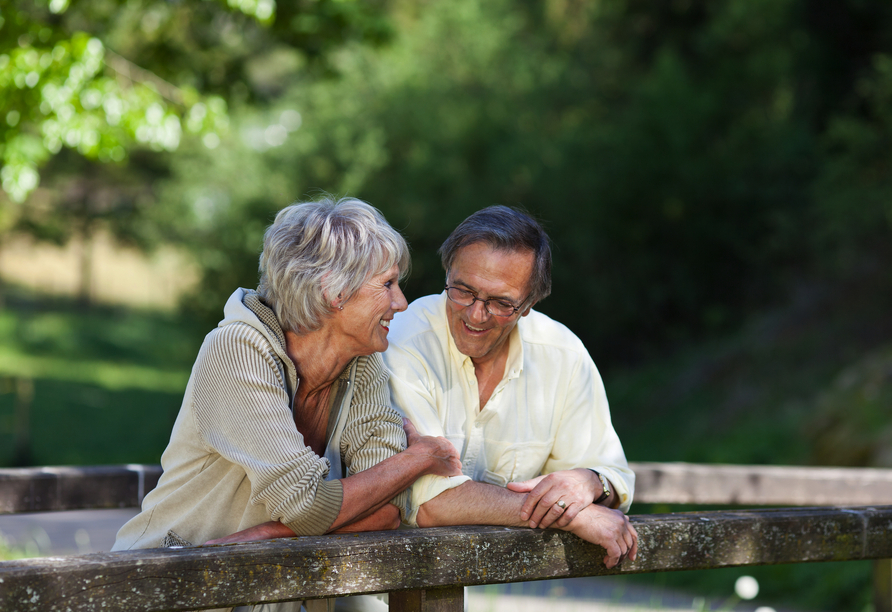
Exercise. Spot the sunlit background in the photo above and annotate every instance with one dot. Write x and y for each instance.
(716, 176)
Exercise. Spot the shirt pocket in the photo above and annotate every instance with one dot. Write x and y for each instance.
(529, 459)
(519, 462)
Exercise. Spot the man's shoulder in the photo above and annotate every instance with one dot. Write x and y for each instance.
(539, 330)
(418, 337)
(424, 317)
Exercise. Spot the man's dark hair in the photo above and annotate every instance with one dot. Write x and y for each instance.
(504, 229)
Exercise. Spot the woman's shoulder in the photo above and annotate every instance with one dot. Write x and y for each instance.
(368, 370)
(237, 332)
(235, 342)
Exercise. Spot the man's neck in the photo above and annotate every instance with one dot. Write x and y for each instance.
(489, 372)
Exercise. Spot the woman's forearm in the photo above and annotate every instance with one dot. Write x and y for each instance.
(370, 489)
(384, 518)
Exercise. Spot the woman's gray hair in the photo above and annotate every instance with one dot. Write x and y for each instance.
(316, 252)
(505, 229)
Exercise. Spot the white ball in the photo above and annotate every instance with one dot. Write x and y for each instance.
(746, 587)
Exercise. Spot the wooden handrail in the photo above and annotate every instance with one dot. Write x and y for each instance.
(760, 485)
(44, 489)
(415, 565)
(71, 488)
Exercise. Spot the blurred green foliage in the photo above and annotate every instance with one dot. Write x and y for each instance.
(690, 159)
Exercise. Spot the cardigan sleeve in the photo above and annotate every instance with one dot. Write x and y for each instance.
(242, 411)
(374, 430)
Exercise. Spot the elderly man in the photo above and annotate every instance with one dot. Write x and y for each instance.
(516, 392)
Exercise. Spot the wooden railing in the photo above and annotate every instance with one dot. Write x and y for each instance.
(427, 569)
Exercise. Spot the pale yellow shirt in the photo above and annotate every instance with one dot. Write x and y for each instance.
(548, 413)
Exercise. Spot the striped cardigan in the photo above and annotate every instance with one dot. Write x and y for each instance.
(235, 458)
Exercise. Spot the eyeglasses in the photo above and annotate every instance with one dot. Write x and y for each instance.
(497, 308)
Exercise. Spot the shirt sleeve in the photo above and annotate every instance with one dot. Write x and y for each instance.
(374, 430)
(242, 411)
(412, 393)
(586, 437)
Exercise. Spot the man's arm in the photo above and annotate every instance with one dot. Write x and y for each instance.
(477, 503)
(585, 440)
(577, 488)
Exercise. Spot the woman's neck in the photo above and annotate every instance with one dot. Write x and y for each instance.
(317, 358)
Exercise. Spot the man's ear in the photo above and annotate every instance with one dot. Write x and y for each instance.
(528, 309)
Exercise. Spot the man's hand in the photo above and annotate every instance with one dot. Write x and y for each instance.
(444, 457)
(608, 528)
(576, 488)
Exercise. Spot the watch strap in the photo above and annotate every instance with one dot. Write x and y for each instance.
(606, 486)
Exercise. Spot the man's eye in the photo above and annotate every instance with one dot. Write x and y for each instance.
(504, 305)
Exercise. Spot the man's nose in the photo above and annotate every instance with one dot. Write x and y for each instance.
(477, 311)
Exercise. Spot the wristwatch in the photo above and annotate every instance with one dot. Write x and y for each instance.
(604, 483)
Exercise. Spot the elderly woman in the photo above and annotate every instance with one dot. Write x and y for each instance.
(286, 426)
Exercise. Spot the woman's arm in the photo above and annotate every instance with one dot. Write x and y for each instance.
(374, 487)
(365, 505)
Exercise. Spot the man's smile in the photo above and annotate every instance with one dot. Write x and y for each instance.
(475, 330)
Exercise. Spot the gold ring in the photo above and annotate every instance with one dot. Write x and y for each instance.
(561, 504)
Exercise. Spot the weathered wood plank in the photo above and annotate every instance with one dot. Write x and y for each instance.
(311, 567)
(73, 488)
(760, 485)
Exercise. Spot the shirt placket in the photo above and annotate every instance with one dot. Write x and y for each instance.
(476, 420)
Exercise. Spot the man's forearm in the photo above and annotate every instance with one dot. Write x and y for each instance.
(473, 503)
(477, 503)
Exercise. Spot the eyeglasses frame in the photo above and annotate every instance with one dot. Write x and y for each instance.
(486, 302)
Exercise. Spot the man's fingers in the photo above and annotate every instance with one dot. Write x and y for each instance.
(553, 513)
(567, 517)
(545, 512)
(633, 551)
(614, 553)
(535, 490)
(525, 485)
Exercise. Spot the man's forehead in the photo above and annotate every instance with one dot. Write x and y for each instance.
(484, 250)
(509, 266)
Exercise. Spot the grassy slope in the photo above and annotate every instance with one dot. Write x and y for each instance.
(106, 383)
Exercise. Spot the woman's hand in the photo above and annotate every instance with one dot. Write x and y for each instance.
(263, 531)
(438, 450)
